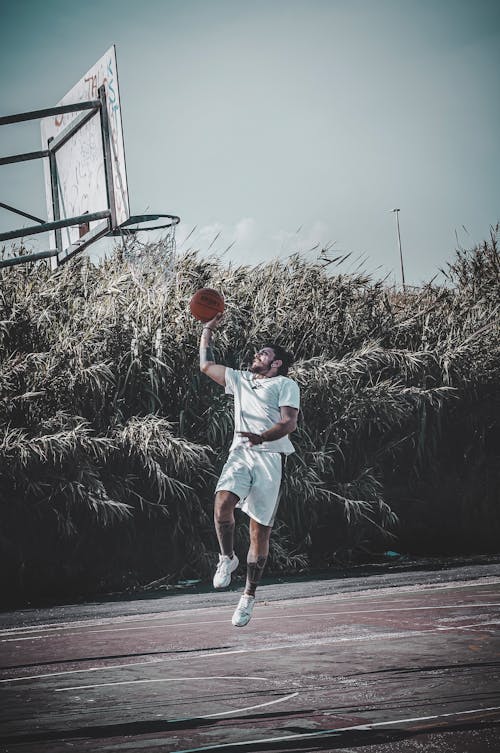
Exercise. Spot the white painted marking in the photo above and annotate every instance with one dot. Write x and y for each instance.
(87, 669)
(336, 730)
(378, 593)
(204, 654)
(247, 708)
(463, 627)
(159, 679)
(308, 614)
(203, 716)
(257, 618)
(32, 638)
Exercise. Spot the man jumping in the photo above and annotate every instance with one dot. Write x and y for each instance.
(266, 406)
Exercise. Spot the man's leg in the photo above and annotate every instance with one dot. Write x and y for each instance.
(257, 554)
(225, 502)
(256, 562)
(260, 503)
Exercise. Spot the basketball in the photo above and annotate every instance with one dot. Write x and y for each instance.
(205, 304)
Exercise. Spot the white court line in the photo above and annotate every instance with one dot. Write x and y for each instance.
(247, 708)
(200, 655)
(34, 638)
(159, 679)
(88, 669)
(204, 654)
(257, 618)
(336, 730)
(374, 594)
(464, 627)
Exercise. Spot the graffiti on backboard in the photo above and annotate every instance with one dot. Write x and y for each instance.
(80, 162)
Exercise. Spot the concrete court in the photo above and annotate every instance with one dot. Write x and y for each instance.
(400, 662)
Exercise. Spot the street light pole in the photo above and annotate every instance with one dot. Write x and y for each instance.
(397, 211)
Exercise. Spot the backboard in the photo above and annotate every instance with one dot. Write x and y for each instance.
(86, 181)
(85, 175)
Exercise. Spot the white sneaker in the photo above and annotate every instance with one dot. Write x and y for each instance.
(226, 566)
(243, 611)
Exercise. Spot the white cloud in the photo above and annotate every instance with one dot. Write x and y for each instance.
(248, 241)
(245, 232)
(315, 236)
(243, 237)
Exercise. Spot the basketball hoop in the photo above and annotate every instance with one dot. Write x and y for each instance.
(150, 264)
(82, 136)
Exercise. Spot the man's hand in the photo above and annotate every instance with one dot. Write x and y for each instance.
(252, 438)
(215, 322)
(285, 426)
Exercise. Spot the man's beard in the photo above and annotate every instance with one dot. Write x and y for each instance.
(258, 368)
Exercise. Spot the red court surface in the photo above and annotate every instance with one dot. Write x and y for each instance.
(398, 668)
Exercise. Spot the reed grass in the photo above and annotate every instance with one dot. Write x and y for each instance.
(111, 440)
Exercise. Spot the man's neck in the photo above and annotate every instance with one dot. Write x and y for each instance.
(256, 375)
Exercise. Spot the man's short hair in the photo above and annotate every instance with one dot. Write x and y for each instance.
(282, 355)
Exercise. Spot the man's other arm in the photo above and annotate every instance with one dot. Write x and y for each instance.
(286, 424)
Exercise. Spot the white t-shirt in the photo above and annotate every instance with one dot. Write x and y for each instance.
(257, 404)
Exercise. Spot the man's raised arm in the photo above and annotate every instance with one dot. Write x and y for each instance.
(207, 359)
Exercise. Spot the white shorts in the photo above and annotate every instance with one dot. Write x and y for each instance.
(255, 478)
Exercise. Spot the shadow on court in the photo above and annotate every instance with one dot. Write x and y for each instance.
(322, 741)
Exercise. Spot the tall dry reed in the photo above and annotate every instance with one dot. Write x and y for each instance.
(111, 439)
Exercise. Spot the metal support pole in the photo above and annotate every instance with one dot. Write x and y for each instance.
(19, 211)
(397, 211)
(12, 261)
(23, 157)
(49, 111)
(108, 155)
(69, 222)
(54, 187)
(66, 134)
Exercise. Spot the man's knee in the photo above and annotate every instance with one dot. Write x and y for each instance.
(258, 563)
(225, 502)
(259, 532)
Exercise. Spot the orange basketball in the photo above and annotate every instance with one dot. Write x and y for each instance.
(205, 304)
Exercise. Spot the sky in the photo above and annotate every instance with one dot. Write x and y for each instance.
(278, 125)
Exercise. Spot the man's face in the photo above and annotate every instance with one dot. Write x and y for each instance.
(262, 361)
